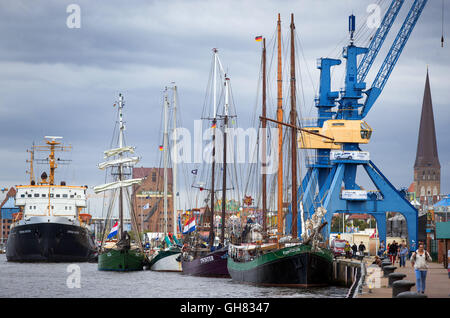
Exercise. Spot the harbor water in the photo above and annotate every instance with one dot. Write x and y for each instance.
(84, 280)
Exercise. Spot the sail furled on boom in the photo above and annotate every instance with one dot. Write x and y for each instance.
(117, 151)
(117, 184)
(127, 161)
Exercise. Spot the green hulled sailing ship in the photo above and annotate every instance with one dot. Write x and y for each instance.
(282, 260)
(121, 253)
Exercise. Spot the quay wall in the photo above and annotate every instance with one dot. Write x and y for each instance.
(348, 273)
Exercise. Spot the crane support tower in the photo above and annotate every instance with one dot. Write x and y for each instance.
(330, 180)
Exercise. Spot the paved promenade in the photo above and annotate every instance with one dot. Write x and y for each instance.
(437, 283)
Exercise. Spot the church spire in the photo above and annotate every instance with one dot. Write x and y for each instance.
(427, 154)
(427, 170)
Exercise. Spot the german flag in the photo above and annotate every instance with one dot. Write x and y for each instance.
(214, 125)
(161, 148)
(258, 38)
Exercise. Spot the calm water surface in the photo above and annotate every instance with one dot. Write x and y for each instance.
(31, 280)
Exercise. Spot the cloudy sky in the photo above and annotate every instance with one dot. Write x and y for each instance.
(63, 81)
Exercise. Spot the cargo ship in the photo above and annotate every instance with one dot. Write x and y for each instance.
(50, 226)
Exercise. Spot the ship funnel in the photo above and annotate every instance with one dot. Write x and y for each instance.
(44, 177)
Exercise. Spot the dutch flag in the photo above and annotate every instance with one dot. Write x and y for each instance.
(114, 230)
(189, 226)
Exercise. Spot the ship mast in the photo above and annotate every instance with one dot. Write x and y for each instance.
(52, 146)
(175, 151)
(31, 161)
(264, 140)
(166, 106)
(280, 136)
(293, 134)
(211, 225)
(121, 129)
(224, 180)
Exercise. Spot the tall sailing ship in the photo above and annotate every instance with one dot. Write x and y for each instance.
(211, 260)
(50, 226)
(282, 260)
(166, 257)
(120, 254)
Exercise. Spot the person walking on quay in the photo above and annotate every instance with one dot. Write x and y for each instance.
(419, 260)
(361, 249)
(402, 253)
(347, 249)
(381, 249)
(397, 248)
(393, 252)
(354, 249)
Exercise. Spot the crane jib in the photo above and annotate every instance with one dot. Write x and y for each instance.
(393, 55)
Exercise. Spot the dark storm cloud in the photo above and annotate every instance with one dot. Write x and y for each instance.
(60, 81)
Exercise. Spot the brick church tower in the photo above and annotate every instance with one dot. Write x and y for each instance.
(427, 169)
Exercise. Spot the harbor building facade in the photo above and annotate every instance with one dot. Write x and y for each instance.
(148, 199)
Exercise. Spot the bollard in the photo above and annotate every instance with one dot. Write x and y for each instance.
(384, 263)
(388, 270)
(410, 294)
(393, 277)
(401, 286)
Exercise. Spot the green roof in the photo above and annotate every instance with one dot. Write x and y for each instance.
(443, 230)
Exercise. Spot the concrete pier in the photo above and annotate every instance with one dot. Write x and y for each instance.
(437, 281)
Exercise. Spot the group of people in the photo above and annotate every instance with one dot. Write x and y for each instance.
(419, 260)
(395, 250)
(352, 251)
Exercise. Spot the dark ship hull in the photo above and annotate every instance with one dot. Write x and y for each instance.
(295, 266)
(121, 260)
(50, 242)
(213, 264)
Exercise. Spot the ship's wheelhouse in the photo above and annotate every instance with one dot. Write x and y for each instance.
(51, 200)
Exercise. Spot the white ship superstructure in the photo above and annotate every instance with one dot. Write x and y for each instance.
(50, 225)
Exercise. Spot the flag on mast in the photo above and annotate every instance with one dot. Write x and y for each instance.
(258, 38)
(114, 230)
(189, 226)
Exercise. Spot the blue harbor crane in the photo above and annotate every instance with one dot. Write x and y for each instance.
(330, 180)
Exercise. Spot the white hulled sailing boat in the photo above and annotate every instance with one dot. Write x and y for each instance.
(166, 257)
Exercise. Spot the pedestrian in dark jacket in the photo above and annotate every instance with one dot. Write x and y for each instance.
(393, 252)
(354, 249)
(361, 249)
